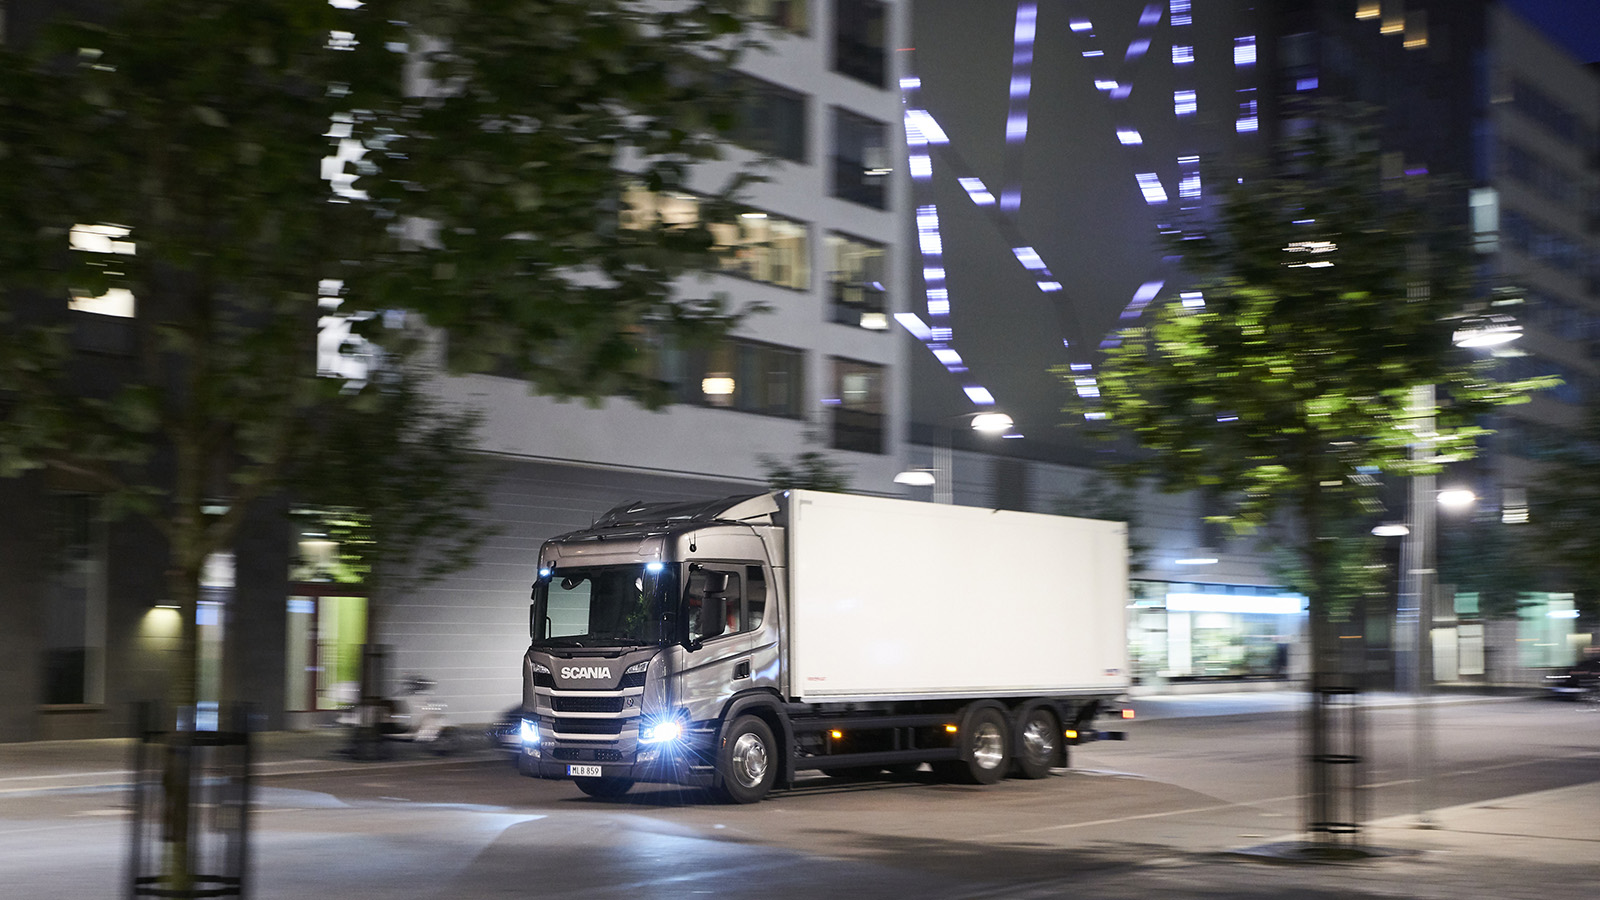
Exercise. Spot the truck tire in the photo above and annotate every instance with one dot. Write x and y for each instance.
(604, 787)
(985, 743)
(747, 762)
(1038, 742)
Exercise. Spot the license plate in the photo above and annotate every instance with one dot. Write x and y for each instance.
(583, 771)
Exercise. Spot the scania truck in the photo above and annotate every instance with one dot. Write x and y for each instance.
(736, 643)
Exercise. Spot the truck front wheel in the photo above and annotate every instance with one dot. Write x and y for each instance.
(747, 761)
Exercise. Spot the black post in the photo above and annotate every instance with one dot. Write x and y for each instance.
(197, 780)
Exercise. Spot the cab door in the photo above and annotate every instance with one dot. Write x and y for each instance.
(717, 661)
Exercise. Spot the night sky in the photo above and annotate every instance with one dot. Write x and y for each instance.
(1574, 24)
(1080, 207)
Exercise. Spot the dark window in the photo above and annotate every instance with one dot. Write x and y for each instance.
(1547, 111)
(858, 40)
(74, 619)
(755, 597)
(858, 406)
(772, 120)
(856, 282)
(860, 159)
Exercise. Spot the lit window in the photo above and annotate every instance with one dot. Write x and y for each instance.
(1185, 103)
(789, 15)
(118, 302)
(758, 245)
(1244, 50)
(1029, 257)
(856, 281)
(1150, 186)
(1182, 54)
(738, 374)
(977, 191)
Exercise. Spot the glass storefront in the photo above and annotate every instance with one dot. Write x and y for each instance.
(1188, 630)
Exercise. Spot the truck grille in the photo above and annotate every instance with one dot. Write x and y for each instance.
(588, 726)
(586, 754)
(587, 704)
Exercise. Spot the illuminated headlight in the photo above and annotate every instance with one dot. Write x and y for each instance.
(540, 668)
(529, 732)
(636, 668)
(664, 731)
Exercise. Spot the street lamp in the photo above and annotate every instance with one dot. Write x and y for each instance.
(1414, 612)
(941, 475)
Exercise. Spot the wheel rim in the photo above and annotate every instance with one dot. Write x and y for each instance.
(988, 746)
(749, 760)
(1039, 739)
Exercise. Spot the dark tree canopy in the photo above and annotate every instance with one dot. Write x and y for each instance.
(230, 173)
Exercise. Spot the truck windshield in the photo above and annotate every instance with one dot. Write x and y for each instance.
(604, 606)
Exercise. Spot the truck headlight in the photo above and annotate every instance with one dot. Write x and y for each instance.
(662, 731)
(636, 668)
(529, 732)
(539, 668)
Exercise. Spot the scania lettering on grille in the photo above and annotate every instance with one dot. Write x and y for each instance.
(585, 671)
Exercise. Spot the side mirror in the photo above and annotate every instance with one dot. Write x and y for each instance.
(714, 614)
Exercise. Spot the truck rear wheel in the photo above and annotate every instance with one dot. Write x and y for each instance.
(985, 749)
(747, 762)
(604, 787)
(1038, 742)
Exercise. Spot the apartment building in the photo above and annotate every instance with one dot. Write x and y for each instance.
(818, 246)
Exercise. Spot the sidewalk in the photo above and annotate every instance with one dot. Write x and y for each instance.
(105, 763)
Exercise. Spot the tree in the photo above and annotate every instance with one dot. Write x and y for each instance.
(397, 487)
(178, 153)
(1105, 498)
(811, 471)
(1563, 507)
(1328, 295)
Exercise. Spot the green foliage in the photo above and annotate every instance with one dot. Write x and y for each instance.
(1327, 299)
(1498, 562)
(1564, 507)
(810, 471)
(198, 139)
(1103, 498)
(397, 484)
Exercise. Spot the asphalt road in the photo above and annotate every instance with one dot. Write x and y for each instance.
(1184, 787)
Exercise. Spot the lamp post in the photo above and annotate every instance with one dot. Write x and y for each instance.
(941, 474)
(1414, 611)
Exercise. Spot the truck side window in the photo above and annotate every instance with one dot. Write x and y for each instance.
(755, 596)
(734, 621)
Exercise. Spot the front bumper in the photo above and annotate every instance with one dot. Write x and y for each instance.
(687, 762)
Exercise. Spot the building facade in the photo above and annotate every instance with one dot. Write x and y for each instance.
(818, 246)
